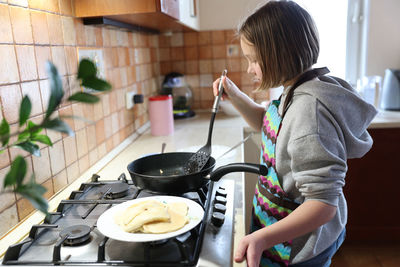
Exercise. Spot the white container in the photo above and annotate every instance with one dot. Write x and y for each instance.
(161, 115)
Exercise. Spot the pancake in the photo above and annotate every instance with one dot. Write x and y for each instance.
(133, 218)
(178, 219)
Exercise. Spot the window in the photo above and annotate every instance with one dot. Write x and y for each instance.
(330, 17)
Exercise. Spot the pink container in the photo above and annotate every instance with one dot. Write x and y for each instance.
(161, 115)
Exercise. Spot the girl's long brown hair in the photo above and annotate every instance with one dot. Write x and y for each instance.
(285, 39)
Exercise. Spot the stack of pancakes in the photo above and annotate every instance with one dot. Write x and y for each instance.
(153, 217)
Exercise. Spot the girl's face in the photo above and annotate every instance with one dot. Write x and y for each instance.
(250, 54)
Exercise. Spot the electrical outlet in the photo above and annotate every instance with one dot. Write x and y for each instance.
(129, 100)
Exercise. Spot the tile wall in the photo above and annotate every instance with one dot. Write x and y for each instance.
(34, 31)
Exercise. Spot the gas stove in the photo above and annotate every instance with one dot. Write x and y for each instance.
(70, 236)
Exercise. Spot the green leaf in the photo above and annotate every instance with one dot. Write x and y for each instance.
(56, 89)
(34, 193)
(84, 97)
(33, 128)
(29, 147)
(17, 172)
(23, 136)
(57, 125)
(96, 84)
(86, 69)
(4, 132)
(24, 110)
(42, 139)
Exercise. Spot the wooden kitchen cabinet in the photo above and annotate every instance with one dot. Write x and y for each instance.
(162, 15)
(372, 190)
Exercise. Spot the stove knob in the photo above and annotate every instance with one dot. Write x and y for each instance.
(220, 200)
(218, 219)
(219, 208)
(221, 192)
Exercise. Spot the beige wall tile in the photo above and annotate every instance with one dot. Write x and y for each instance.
(81, 142)
(55, 29)
(26, 62)
(24, 208)
(41, 166)
(67, 112)
(102, 150)
(39, 27)
(57, 158)
(73, 172)
(192, 67)
(11, 98)
(114, 123)
(58, 56)
(80, 32)
(8, 68)
(164, 54)
(100, 131)
(83, 163)
(5, 25)
(113, 101)
(177, 39)
(6, 199)
(204, 38)
(105, 100)
(93, 157)
(8, 218)
(219, 51)
(21, 25)
(99, 36)
(43, 54)
(107, 127)
(233, 64)
(31, 89)
(77, 111)
(4, 159)
(60, 181)
(90, 36)
(218, 37)
(71, 58)
(68, 28)
(219, 65)
(91, 135)
(70, 150)
(98, 111)
(205, 66)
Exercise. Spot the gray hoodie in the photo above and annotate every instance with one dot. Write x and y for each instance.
(325, 124)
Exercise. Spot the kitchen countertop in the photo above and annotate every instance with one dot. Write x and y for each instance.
(189, 135)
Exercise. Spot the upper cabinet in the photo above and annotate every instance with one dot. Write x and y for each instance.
(161, 15)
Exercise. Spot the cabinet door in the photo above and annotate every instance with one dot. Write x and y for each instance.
(170, 7)
(372, 190)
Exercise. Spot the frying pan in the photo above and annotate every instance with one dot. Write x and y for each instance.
(163, 173)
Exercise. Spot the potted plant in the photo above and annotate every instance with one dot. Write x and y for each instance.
(30, 134)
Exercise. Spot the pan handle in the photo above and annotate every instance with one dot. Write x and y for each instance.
(238, 167)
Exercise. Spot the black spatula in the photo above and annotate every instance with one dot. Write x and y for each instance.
(197, 161)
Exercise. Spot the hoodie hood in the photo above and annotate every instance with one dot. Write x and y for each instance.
(350, 111)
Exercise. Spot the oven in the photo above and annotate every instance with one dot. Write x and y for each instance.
(69, 236)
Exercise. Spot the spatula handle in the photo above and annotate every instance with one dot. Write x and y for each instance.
(220, 91)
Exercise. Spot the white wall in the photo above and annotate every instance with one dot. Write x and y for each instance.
(225, 14)
(383, 37)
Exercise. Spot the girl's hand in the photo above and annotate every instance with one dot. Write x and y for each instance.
(230, 89)
(251, 247)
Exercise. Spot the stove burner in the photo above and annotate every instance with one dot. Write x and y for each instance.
(76, 234)
(117, 190)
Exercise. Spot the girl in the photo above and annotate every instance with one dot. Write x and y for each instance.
(299, 210)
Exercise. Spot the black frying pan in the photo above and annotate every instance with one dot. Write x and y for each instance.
(163, 173)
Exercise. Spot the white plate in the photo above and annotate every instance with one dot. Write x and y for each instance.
(107, 226)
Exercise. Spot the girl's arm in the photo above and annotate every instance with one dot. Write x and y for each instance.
(251, 111)
(307, 217)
